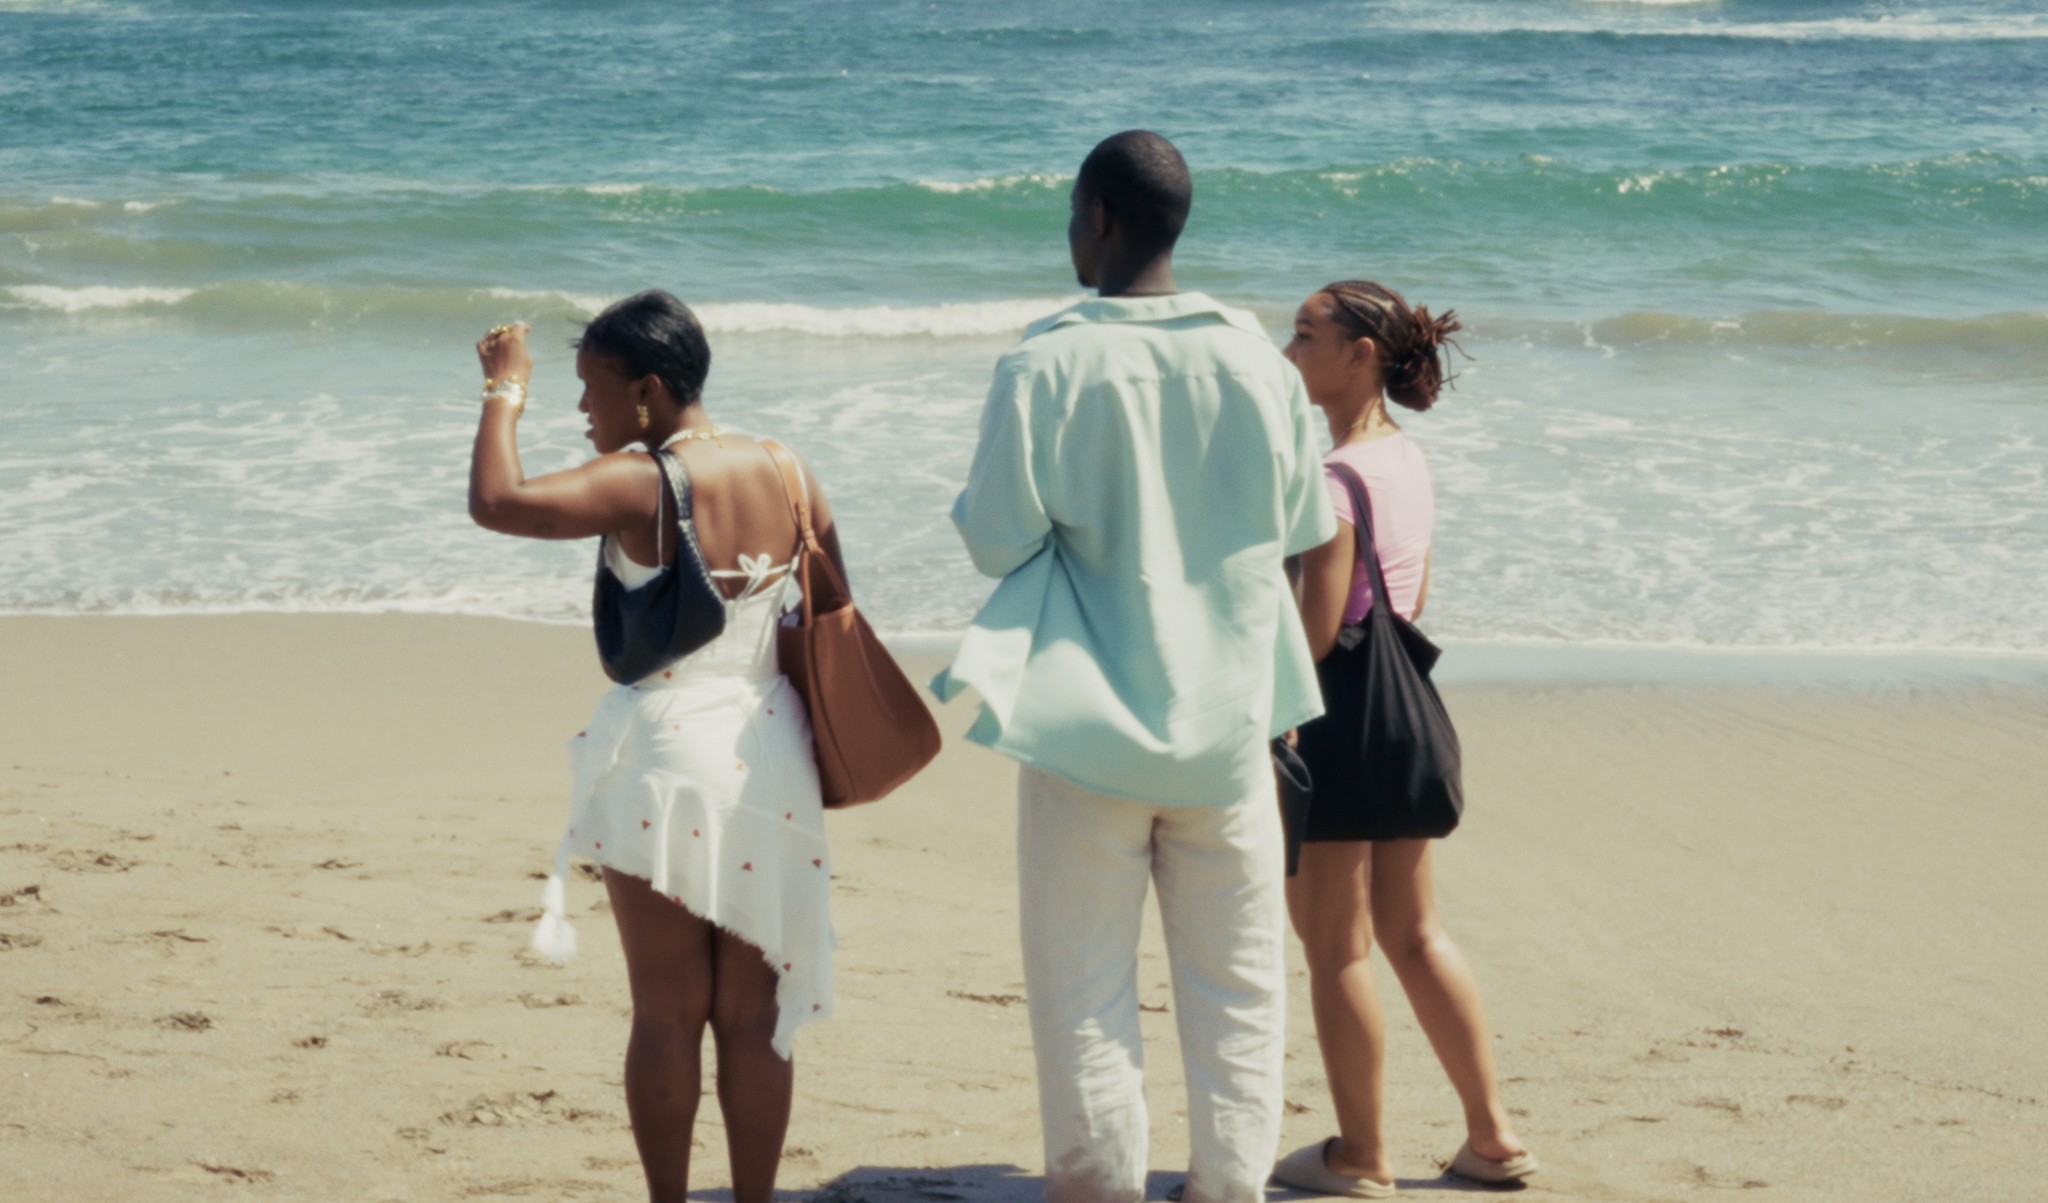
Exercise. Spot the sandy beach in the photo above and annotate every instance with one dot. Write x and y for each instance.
(265, 883)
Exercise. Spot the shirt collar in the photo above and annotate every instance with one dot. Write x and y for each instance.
(1170, 307)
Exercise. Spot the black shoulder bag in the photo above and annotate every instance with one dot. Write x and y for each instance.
(641, 631)
(1384, 758)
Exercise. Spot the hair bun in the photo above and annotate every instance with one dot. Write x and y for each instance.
(1413, 365)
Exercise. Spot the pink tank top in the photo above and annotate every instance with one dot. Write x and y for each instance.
(1403, 515)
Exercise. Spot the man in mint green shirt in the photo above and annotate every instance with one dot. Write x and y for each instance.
(1147, 461)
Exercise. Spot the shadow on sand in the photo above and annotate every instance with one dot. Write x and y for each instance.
(1010, 1184)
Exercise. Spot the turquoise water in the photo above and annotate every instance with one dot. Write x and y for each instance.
(1755, 288)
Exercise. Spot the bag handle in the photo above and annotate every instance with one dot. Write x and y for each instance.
(1368, 551)
(684, 506)
(816, 568)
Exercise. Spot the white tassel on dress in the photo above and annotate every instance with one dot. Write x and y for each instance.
(553, 938)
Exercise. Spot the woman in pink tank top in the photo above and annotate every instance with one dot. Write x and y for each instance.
(1358, 345)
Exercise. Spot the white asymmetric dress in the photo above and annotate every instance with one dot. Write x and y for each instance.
(700, 779)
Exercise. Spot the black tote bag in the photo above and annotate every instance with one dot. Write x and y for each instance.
(1384, 758)
(641, 631)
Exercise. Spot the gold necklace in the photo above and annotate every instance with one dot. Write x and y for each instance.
(710, 432)
(1364, 424)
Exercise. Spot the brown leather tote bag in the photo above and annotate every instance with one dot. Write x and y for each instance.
(871, 729)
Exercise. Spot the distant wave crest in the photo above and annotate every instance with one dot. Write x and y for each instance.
(82, 300)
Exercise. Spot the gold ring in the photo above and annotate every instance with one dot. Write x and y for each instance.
(500, 329)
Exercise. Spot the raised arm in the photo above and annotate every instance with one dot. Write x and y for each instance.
(610, 493)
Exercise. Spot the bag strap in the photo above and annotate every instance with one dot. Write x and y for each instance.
(821, 577)
(677, 478)
(1368, 551)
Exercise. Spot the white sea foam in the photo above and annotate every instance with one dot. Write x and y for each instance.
(963, 319)
(586, 302)
(1043, 179)
(78, 300)
(613, 189)
(1582, 503)
(74, 202)
(142, 206)
(1648, 18)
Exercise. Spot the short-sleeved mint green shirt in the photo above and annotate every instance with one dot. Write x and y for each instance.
(1145, 466)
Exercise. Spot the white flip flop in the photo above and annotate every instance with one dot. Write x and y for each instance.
(1308, 1169)
(1468, 1164)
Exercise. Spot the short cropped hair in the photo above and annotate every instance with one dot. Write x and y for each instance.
(653, 334)
(1143, 183)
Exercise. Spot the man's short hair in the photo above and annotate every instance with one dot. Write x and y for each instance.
(1143, 183)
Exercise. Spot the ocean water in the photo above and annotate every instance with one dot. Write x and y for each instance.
(1757, 290)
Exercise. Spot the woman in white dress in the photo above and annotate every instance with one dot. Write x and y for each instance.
(695, 786)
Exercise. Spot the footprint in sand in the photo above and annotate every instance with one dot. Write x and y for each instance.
(535, 1002)
(423, 1138)
(31, 895)
(520, 1109)
(74, 861)
(398, 1002)
(999, 1000)
(310, 1042)
(1699, 1175)
(1821, 1102)
(470, 1050)
(10, 940)
(186, 1021)
(399, 950)
(235, 1173)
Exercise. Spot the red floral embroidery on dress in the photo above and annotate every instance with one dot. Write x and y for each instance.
(817, 863)
(788, 815)
(749, 866)
(667, 675)
(600, 843)
(695, 832)
(786, 966)
(644, 824)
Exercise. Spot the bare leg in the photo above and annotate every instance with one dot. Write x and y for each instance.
(754, 1082)
(668, 962)
(1440, 987)
(1328, 900)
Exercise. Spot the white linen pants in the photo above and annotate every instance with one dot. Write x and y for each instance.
(1083, 862)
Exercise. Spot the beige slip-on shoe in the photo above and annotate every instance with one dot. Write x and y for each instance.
(1308, 1169)
(1468, 1164)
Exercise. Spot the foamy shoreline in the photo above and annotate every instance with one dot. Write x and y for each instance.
(1465, 662)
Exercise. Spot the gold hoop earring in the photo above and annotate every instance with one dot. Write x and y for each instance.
(645, 421)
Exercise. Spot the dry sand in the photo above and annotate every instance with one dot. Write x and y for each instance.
(266, 882)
